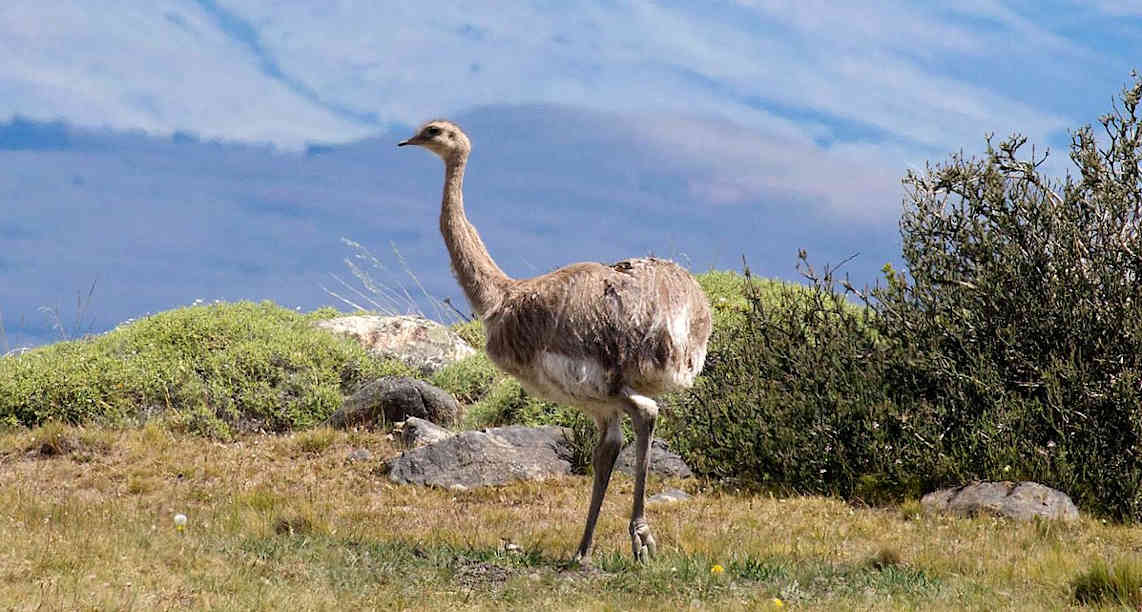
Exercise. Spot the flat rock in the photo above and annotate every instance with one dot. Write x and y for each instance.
(417, 432)
(397, 398)
(1017, 500)
(490, 457)
(662, 461)
(669, 496)
(421, 343)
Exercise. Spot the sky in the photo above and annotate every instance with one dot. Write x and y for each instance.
(171, 151)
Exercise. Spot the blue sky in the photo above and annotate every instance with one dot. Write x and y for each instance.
(601, 130)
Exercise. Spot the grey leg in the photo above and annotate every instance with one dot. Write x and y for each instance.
(610, 442)
(643, 414)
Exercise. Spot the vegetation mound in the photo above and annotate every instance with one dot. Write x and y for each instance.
(212, 369)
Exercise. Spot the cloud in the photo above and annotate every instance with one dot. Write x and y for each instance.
(885, 66)
(730, 165)
(1118, 8)
(158, 67)
(833, 84)
(263, 70)
(855, 92)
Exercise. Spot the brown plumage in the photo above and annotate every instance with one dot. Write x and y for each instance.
(605, 338)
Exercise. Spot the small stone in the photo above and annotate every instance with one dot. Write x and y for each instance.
(360, 454)
(670, 496)
(418, 432)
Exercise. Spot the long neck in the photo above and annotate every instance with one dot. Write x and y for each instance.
(482, 280)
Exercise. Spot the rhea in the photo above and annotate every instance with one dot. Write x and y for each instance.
(604, 338)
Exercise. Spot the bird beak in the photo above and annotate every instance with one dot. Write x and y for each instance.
(410, 141)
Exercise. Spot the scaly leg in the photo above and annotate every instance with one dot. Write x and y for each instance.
(610, 442)
(643, 413)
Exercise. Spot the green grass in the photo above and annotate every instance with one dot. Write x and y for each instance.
(1119, 583)
(288, 522)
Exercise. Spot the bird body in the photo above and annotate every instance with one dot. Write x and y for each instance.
(606, 339)
(589, 334)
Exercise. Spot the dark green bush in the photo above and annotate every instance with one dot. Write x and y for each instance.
(1023, 306)
(793, 397)
(1010, 347)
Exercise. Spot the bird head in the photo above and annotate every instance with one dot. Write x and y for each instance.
(442, 137)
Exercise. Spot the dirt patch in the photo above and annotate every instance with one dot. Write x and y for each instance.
(481, 574)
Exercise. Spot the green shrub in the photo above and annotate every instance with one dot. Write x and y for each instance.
(1009, 348)
(793, 397)
(469, 379)
(506, 403)
(472, 332)
(211, 369)
(1022, 305)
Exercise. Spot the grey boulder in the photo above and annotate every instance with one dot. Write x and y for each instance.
(661, 461)
(1016, 500)
(504, 454)
(396, 398)
(481, 458)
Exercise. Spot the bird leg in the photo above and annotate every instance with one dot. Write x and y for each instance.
(610, 442)
(643, 413)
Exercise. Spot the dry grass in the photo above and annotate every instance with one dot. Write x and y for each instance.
(291, 522)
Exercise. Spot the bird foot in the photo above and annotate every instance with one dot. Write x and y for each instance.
(581, 559)
(642, 543)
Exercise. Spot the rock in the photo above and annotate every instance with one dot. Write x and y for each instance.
(669, 497)
(663, 461)
(397, 398)
(421, 343)
(360, 454)
(419, 432)
(16, 352)
(1017, 500)
(481, 458)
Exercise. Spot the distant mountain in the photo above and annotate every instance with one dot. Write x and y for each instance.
(158, 222)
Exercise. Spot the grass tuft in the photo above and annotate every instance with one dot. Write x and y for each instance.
(1103, 583)
(314, 441)
(885, 558)
(55, 439)
(293, 524)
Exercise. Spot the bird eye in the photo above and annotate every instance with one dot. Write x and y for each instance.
(431, 131)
